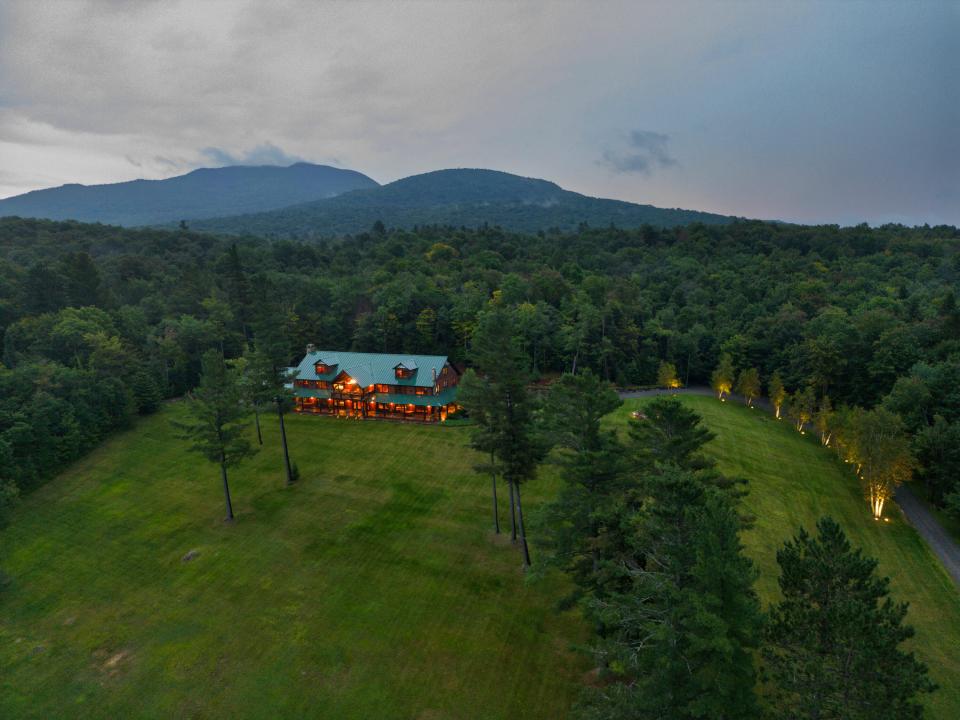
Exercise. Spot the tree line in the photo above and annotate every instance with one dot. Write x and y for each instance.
(100, 324)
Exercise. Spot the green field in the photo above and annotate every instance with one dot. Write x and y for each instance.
(372, 589)
(793, 482)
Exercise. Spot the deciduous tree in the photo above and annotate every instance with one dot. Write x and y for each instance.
(823, 420)
(667, 375)
(748, 385)
(884, 458)
(722, 378)
(777, 393)
(801, 407)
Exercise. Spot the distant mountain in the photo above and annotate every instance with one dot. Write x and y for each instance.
(203, 193)
(454, 197)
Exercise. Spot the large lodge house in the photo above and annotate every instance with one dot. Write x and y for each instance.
(375, 385)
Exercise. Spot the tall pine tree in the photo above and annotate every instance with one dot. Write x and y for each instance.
(832, 644)
(497, 397)
(216, 427)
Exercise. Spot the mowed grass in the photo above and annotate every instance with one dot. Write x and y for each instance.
(793, 482)
(371, 589)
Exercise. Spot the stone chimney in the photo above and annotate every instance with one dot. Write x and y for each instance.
(311, 348)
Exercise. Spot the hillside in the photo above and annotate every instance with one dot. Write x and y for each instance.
(202, 193)
(463, 197)
(794, 481)
(372, 588)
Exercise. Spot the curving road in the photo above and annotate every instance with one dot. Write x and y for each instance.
(943, 546)
(917, 514)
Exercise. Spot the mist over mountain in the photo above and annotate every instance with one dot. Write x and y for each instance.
(206, 192)
(468, 197)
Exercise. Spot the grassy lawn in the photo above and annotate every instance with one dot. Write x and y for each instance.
(793, 482)
(370, 590)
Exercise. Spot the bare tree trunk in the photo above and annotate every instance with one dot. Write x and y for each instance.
(523, 534)
(256, 418)
(513, 514)
(226, 488)
(283, 440)
(493, 485)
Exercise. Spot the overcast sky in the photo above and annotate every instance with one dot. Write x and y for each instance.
(828, 112)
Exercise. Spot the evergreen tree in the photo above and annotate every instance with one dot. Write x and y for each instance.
(832, 644)
(42, 290)
(258, 382)
(578, 524)
(679, 644)
(146, 392)
(216, 428)
(669, 433)
(496, 394)
(82, 278)
(238, 290)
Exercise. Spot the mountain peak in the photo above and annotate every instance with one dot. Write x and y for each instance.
(204, 192)
(454, 196)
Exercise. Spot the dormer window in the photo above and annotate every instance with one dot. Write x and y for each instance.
(321, 368)
(403, 372)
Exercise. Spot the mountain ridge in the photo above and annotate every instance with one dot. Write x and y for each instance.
(454, 196)
(200, 193)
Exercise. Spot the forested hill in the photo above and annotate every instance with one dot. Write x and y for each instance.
(206, 192)
(462, 197)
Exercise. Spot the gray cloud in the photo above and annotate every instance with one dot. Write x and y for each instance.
(265, 154)
(645, 150)
(816, 112)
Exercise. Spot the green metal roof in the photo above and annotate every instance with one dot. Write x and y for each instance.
(311, 393)
(372, 368)
(442, 398)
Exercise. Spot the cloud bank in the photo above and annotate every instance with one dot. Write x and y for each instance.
(838, 112)
(265, 154)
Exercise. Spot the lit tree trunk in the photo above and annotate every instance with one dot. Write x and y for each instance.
(226, 487)
(493, 486)
(283, 440)
(256, 418)
(776, 413)
(513, 514)
(523, 534)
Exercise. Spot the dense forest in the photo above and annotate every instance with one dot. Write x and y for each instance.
(100, 323)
